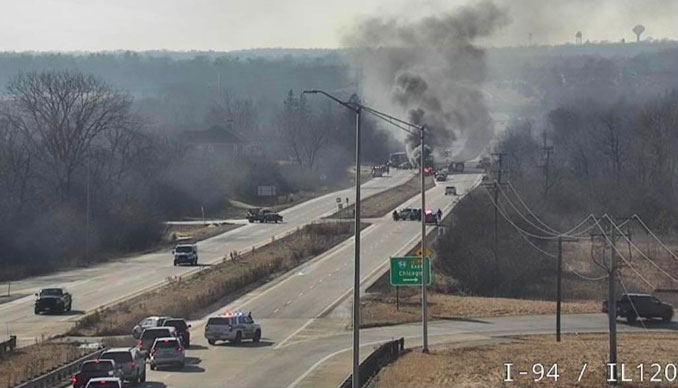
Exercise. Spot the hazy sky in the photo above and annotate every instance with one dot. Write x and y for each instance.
(239, 24)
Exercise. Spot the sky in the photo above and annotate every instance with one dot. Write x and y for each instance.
(224, 25)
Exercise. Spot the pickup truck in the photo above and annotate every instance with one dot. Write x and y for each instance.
(633, 306)
(93, 369)
(185, 254)
(263, 215)
(53, 300)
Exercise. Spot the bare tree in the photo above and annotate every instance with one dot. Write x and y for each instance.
(62, 114)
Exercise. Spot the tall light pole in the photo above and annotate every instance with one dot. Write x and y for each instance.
(424, 302)
(356, 108)
(407, 127)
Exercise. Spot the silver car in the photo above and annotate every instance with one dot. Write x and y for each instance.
(132, 362)
(149, 335)
(232, 328)
(145, 324)
(167, 351)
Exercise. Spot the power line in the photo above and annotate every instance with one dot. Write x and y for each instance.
(553, 230)
(612, 245)
(637, 217)
(642, 253)
(520, 199)
(525, 218)
(621, 281)
(497, 208)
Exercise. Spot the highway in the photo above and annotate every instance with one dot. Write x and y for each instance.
(294, 311)
(103, 284)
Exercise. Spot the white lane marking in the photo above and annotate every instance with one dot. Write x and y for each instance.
(276, 310)
(329, 254)
(344, 295)
(301, 294)
(288, 302)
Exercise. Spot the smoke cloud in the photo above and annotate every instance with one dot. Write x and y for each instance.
(432, 71)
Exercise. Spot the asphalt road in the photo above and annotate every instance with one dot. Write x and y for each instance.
(103, 284)
(293, 309)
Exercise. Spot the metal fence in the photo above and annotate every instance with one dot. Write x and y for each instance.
(60, 376)
(9, 345)
(382, 356)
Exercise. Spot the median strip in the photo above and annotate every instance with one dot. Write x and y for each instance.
(184, 297)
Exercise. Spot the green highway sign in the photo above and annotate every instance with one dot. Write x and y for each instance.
(406, 271)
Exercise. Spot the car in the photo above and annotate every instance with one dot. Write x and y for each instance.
(104, 382)
(431, 217)
(149, 335)
(182, 330)
(441, 177)
(131, 361)
(263, 215)
(633, 306)
(232, 327)
(167, 351)
(410, 214)
(145, 323)
(405, 166)
(95, 368)
(185, 254)
(450, 190)
(56, 299)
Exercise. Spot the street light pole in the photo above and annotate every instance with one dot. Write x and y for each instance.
(424, 304)
(407, 127)
(356, 108)
(356, 263)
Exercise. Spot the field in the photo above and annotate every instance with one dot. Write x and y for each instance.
(483, 366)
(383, 311)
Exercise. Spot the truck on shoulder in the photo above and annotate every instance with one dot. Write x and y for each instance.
(263, 215)
(633, 306)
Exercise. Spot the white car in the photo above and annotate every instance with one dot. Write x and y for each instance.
(104, 382)
(233, 328)
(450, 190)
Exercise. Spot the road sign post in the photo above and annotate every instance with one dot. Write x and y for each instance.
(407, 271)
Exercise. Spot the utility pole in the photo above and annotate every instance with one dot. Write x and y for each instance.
(559, 293)
(559, 286)
(547, 151)
(497, 182)
(87, 211)
(612, 304)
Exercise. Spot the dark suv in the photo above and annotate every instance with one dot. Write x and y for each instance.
(632, 306)
(182, 330)
(53, 300)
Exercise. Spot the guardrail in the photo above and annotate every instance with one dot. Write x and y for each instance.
(382, 356)
(60, 376)
(9, 345)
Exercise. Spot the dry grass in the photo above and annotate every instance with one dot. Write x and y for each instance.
(381, 311)
(381, 204)
(34, 360)
(196, 232)
(184, 297)
(483, 366)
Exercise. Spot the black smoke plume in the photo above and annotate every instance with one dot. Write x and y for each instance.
(432, 71)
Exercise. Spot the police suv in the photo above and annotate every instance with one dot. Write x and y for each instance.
(233, 327)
